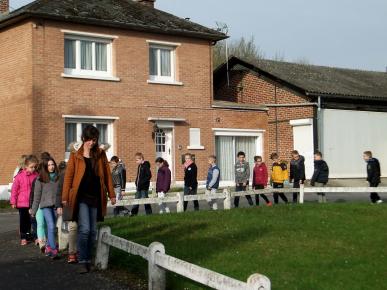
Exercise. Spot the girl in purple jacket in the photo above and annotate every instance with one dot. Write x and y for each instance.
(20, 195)
(163, 182)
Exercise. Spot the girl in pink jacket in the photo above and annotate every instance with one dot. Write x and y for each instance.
(20, 195)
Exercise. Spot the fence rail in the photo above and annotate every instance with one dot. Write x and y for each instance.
(159, 263)
(227, 195)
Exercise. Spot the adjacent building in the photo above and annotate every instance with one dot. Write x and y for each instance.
(341, 112)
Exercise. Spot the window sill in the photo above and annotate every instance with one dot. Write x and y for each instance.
(172, 83)
(91, 77)
(196, 147)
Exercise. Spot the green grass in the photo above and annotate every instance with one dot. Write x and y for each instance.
(4, 204)
(311, 246)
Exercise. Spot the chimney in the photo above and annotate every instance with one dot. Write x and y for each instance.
(149, 3)
(4, 6)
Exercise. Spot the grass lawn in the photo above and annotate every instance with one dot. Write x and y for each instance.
(311, 246)
(4, 204)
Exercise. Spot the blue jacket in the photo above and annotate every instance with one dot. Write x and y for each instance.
(211, 182)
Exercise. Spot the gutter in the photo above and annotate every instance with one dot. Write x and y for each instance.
(291, 105)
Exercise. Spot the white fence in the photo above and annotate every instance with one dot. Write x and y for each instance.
(227, 195)
(159, 263)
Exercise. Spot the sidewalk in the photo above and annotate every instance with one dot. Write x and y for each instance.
(26, 268)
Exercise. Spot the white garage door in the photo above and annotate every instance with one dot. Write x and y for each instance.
(346, 134)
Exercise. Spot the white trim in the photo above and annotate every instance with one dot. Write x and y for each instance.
(91, 77)
(237, 132)
(196, 147)
(160, 82)
(164, 43)
(89, 34)
(85, 117)
(301, 122)
(154, 119)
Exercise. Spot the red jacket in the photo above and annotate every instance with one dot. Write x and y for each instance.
(260, 175)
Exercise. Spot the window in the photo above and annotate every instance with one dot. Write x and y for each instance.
(74, 128)
(194, 139)
(87, 56)
(162, 63)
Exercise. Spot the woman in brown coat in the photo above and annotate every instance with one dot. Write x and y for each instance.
(86, 182)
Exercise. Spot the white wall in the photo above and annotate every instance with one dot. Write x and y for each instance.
(346, 135)
(303, 142)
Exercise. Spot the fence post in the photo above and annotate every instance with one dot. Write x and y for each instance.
(156, 275)
(180, 203)
(302, 187)
(102, 256)
(258, 282)
(227, 199)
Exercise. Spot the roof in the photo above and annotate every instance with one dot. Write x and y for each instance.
(126, 14)
(315, 80)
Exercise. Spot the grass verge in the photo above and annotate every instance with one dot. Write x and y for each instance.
(311, 246)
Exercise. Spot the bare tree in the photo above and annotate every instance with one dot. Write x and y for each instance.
(242, 48)
(302, 60)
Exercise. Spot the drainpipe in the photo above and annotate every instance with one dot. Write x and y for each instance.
(276, 119)
(319, 124)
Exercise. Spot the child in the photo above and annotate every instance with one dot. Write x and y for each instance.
(260, 178)
(279, 174)
(213, 178)
(119, 182)
(242, 176)
(320, 175)
(143, 178)
(20, 195)
(67, 226)
(297, 172)
(163, 182)
(20, 165)
(373, 174)
(190, 180)
(46, 198)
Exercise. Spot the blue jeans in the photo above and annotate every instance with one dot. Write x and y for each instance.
(148, 208)
(49, 217)
(87, 231)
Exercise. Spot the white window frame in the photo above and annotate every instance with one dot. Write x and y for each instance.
(159, 79)
(194, 139)
(77, 72)
(79, 120)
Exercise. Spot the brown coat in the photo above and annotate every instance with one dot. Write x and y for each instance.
(74, 172)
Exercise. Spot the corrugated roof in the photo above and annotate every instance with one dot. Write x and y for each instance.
(321, 80)
(114, 13)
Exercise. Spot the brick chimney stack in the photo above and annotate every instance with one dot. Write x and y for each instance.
(4, 6)
(149, 3)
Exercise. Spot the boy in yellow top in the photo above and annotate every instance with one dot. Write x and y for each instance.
(279, 174)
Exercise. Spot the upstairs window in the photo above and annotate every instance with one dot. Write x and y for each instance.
(85, 56)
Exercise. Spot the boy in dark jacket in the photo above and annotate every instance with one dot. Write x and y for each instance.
(163, 182)
(320, 175)
(373, 175)
(143, 178)
(190, 180)
(297, 172)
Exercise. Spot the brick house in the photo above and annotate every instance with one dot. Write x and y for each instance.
(142, 76)
(341, 112)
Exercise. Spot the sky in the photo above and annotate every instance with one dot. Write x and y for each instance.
(345, 33)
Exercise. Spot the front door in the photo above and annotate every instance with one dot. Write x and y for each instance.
(163, 140)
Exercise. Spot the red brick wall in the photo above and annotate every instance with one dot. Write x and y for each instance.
(15, 97)
(247, 87)
(131, 99)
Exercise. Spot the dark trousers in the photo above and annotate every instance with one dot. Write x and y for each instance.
(25, 223)
(148, 208)
(34, 229)
(240, 187)
(260, 186)
(296, 184)
(374, 196)
(193, 191)
(281, 194)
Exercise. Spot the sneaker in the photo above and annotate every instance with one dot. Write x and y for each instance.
(36, 242)
(83, 268)
(72, 259)
(269, 204)
(23, 242)
(379, 201)
(54, 254)
(47, 251)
